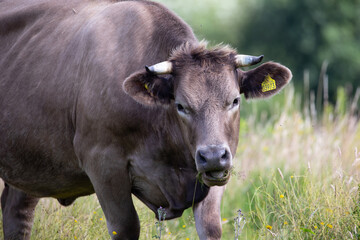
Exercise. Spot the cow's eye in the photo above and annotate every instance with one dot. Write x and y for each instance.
(180, 108)
(236, 102)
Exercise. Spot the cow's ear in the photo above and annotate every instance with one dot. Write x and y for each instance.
(149, 89)
(264, 81)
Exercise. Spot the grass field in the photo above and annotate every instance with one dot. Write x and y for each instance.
(294, 178)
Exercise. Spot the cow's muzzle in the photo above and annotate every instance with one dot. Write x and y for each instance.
(214, 164)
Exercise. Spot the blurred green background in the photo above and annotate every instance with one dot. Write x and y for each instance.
(318, 40)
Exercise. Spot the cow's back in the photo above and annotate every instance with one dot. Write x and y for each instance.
(62, 63)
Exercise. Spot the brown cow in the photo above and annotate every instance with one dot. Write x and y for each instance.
(80, 114)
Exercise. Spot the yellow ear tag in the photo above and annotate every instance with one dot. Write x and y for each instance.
(148, 90)
(268, 84)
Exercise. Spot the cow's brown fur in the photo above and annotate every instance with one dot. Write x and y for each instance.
(80, 114)
(221, 54)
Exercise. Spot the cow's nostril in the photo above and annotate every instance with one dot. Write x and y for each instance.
(225, 155)
(201, 156)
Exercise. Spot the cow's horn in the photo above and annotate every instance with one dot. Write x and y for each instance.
(247, 60)
(160, 68)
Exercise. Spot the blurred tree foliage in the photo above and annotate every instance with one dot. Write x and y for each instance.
(304, 34)
(300, 34)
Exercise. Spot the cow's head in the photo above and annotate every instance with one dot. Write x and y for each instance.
(202, 87)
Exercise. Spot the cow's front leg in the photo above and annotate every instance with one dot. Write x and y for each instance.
(18, 213)
(112, 186)
(207, 215)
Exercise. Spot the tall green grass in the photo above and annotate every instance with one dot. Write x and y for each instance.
(294, 178)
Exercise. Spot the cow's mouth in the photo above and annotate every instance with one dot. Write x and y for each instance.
(216, 178)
